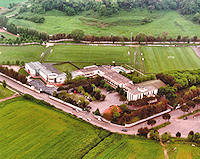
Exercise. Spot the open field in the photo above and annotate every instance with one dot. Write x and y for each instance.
(160, 59)
(21, 53)
(7, 36)
(118, 146)
(30, 130)
(5, 3)
(183, 151)
(90, 54)
(5, 92)
(120, 24)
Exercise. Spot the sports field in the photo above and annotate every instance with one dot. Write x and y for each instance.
(5, 92)
(90, 54)
(29, 130)
(21, 53)
(160, 59)
(183, 151)
(120, 24)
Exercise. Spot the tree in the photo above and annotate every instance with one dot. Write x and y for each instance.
(165, 137)
(3, 21)
(154, 135)
(178, 134)
(151, 122)
(4, 84)
(77, 34)
(68, 75)
(166, 116)
(190, 136)
(124, 108)
(185, 108)
(97, 112)
(143, 131)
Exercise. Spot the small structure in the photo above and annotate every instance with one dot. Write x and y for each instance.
(38, 70)
(114, 78)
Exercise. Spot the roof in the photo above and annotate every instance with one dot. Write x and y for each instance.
(113, 76)
(44, 68)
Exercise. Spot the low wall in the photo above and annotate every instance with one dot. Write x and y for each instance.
(19, 83)
(67, 104)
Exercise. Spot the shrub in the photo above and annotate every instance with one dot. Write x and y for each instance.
(143, 131)
(165, 137)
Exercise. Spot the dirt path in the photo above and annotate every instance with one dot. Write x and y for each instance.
(4, 31)
(11, 97)
(196, 50)
(165, 150)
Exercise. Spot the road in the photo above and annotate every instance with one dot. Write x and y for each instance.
(85, 115)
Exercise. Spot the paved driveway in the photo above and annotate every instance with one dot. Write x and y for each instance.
(111, 99)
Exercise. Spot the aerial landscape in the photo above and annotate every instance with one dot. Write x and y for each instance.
(99, 79)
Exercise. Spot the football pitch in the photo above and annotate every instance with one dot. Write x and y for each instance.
(162, 59)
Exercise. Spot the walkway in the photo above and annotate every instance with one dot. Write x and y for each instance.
(11, 97)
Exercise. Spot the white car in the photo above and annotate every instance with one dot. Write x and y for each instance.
(99, 118)
(89, 119)
(80, 117)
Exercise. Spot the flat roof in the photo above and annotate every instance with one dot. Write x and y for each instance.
(118, 79)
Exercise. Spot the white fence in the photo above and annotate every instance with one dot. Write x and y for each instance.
(67, 104)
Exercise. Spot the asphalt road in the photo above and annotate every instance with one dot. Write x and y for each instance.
(108, 126)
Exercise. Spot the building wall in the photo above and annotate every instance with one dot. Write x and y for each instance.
(30, 70)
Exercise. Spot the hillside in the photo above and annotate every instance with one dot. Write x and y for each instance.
(124, 23)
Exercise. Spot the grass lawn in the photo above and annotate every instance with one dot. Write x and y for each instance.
(5, 3)
(119, 146)
(183, 151)
(5, 92)
(21, 53)
(90, 54)
(23, 72)
(30, 130)
(121, 24)
(65, 67)
(8, 36)
(160, 59)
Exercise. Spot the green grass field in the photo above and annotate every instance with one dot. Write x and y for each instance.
(8, 36)
(5, 3)
(183, 151)
(5, 92)
(122, 24)
(29, 130)
(118, 146)
(21, 53)
(90, 54)
(161, 59)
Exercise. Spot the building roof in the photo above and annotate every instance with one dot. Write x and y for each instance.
(47, 69)
(113, 76)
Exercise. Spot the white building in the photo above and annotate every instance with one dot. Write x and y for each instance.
(112, 76)
(38, 70)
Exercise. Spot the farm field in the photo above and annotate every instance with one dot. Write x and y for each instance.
(120, 24)
(183, 151)
(5, 92)
(30, 130)
(22, 53)
(5, 3)
(119, 146)
(90, 54)
(161, 59)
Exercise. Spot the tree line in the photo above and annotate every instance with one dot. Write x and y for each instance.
(13, 74)
(110, 7)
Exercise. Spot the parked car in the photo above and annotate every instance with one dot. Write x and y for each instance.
(89, 119)
(185, 118)
(124, 130)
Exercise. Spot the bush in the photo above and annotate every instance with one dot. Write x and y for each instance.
(165, 137)
(154, 135)
(97, 112)
(143, 131)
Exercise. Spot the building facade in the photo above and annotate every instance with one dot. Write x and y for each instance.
(114, 78)
(38, 70)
